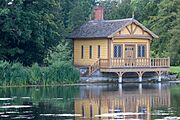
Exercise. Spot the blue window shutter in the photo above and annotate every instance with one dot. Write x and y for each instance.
(115, 51)
(119, 51)
(139, 51)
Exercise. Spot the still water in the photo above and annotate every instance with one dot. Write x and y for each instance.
(95, 102)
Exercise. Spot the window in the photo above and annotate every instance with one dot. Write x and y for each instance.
(90, 51)
(141, 51)
(82, 52)
(117, 51)
(99, 51)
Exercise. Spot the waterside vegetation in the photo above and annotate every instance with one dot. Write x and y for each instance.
(175, 70)
(15, 74)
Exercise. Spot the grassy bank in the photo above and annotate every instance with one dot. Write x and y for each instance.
(175, 70)
(15, 74)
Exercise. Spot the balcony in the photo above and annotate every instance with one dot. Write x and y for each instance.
(130, 65)
(134, 63)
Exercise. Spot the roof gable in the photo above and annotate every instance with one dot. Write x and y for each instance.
(134, 30)
(105, 28)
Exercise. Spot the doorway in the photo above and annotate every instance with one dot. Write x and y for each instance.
(130, 55)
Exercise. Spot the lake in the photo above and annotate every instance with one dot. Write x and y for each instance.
(92, 101)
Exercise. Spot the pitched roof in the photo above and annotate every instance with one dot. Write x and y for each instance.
(105, 28)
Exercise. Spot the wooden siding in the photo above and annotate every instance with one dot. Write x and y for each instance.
(135, 42)
(132, 29)
(129, 36)
(78, 61)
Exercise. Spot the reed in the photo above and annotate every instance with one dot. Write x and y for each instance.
(15, 74)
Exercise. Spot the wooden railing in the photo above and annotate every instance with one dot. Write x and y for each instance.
(160, 62)
(123, 63)
(139, 62)
(94, 67)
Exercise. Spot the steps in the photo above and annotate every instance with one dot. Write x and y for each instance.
(94, 67)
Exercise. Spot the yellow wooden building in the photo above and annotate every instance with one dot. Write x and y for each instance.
(118, 46)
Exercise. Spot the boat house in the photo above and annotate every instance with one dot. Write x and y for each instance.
(115, 46)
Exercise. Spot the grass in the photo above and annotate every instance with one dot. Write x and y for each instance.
(175, 69)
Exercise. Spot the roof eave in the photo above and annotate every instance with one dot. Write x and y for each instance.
(87, 37)
(111, 36)
(145, 29)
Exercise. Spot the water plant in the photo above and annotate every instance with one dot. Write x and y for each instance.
(58, 73)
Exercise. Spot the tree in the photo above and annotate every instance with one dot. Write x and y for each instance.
(117, 10)
(28, 28)
(162, 24)
(62, 52)
(144, 9)
(80, 13)
(175, 42)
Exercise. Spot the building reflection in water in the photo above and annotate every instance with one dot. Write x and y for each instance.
(125, 101)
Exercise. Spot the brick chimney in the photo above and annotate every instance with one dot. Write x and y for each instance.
(98, 13)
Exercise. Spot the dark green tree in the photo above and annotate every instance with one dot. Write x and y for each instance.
(144, 9)
(175, 42)
(28, 28)
(162, 25)
(116, 9)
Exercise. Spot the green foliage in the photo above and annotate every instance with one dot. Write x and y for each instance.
(28, 29)
(116, 10)
(144, 9)
(57, 73)
(62, 72)
(4, 72)
(35, 74)
(165, 24)
(175, 70)
(18, 74)
(79, 13)
(62, 52)
(175, 42)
